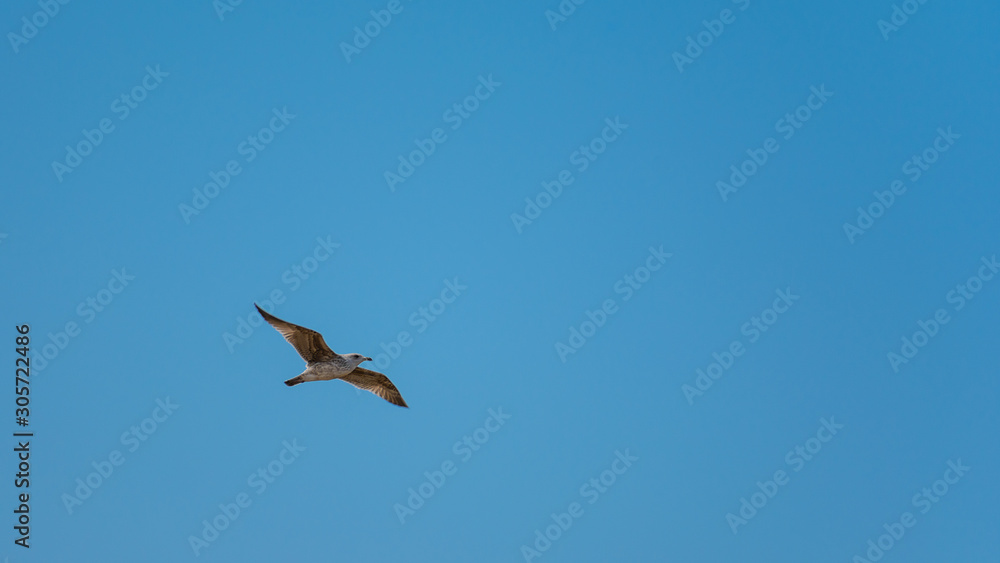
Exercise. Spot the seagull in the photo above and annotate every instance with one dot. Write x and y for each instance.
(323, 364)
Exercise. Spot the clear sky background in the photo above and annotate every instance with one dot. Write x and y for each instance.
(69, 234)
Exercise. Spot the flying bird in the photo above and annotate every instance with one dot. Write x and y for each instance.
(323, 364)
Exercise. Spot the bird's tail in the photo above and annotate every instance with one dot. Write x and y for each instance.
(295, 380)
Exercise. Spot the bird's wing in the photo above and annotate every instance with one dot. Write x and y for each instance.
(308, 343)
(376, 383)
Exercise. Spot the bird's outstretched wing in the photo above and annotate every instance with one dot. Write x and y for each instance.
(376, 383)
(308, 343)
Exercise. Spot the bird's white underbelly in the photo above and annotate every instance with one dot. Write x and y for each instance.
(327, 370)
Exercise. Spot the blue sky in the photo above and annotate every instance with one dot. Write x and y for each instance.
(752, 317)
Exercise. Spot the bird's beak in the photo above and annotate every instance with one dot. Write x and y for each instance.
(368, 359)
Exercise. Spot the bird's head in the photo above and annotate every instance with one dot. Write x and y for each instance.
(356, 359)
